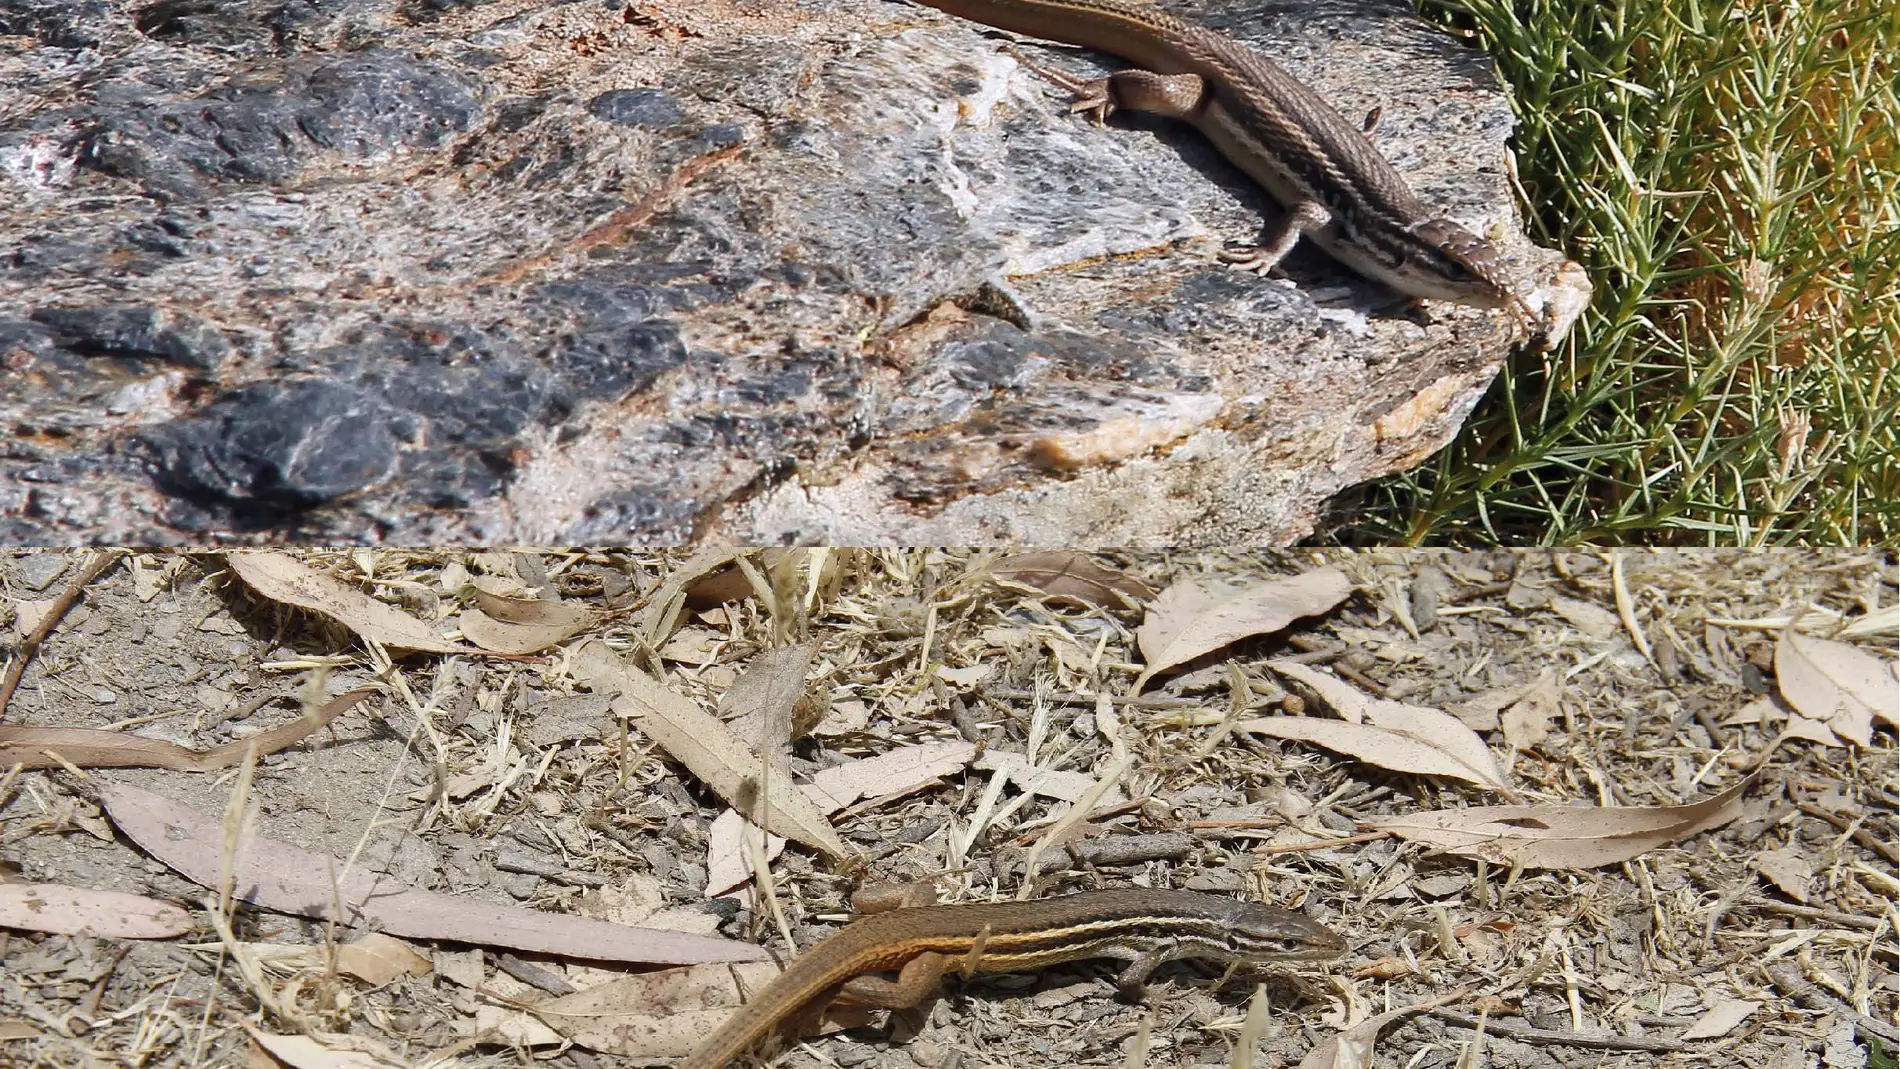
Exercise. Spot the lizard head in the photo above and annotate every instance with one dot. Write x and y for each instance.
(1261, 933)
(1462, 267)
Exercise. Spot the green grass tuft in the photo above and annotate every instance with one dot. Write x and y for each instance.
(1729, 175)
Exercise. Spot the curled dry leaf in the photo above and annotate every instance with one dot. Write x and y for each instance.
(523, 625)
(1190, 619)
(725, 583)
(1800, 727)
(64, 910)
(32, 747)
(278, 876)
(1841, 685)
(707, 747)
(281, 578)
(1565, 836)
(662, 612)
(1394, 735)
(1071, 576)
(534, 612)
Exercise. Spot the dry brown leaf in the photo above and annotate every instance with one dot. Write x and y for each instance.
(28, 613)
(662, 613)
(327, 1050)
(497, 636)
(1190, 619)
(707, 747)
(92, 748)
(768, 700)
(1353, 1048)
(378, 958)
(1800, 727)
(17, 1028)
(523, 625)
(1063, 784)
(729, 855)
(283, 579)
(462, 967)
(514, 1027)
(1720, 1019)
(1071, 576)
(665, 1014)
(64, 910)
(281, 877)
(1788, 870)
(1565, 836)
(698, 646)
(725, 583)
(1841, 685)
(889, 774)
(535, 612)
(1394, 735)
(1480, 712)
(1586, 616)
(1526, 721)
(1395, 750)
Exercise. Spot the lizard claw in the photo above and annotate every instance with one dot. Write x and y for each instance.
(1246, 257)
(1097, 106)
(1092, 98)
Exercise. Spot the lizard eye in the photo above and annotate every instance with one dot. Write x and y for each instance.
(1457, 244)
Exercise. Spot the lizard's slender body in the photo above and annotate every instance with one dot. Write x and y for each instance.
(1143, 925)
(1337, 188)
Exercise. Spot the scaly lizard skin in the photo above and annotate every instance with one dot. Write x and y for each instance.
(1338, 189)
(1144, 926)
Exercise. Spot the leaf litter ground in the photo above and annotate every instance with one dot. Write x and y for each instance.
(951, 711)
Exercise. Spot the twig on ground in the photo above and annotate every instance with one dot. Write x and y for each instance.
(30, 645)
(1527, 1034)
(1845, 920)
(1789, 979)
(1854, 831)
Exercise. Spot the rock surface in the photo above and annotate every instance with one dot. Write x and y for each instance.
(539, 272)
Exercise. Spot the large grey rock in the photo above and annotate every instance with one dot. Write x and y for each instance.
(443, 270)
